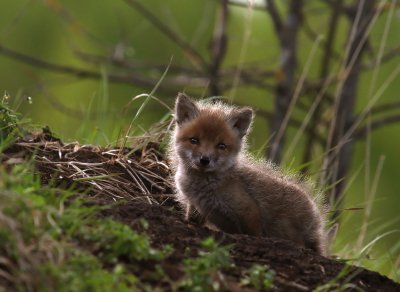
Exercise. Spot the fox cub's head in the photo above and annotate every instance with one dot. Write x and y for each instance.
(209, 137)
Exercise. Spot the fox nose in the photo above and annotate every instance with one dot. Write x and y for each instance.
(204, 160)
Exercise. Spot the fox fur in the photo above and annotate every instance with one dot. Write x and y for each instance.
(231, 191)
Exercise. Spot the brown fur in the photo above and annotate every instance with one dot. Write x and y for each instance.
(229, 189)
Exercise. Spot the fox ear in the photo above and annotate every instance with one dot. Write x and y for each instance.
(185, 109)
(241, 120)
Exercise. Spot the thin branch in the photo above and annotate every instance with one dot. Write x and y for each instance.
(349, 10)
(251, 72)
(337, 162)
(295, 123)
(78, 72)
(250, 76)
(388, 56)
(246, 78)
(382, 108)
(325, 78)
(218, 48)
(187, 48)
(287, 34)
(168, 87)
(312, 35)
(376, 124)
(131, 78)
(130, 65)
(276, 18)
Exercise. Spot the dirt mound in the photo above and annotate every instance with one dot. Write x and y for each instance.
(139, 181)
(296, 269)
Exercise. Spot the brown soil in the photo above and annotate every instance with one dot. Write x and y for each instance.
(141, 184)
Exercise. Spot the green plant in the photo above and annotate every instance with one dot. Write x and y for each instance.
(113, 240)
(9, 123)
(50, 239)
(202, 272)
(85, 272)
(260, 277)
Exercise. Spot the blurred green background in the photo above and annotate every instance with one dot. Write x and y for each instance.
(98, 110)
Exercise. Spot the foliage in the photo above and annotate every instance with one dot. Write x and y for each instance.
(112, 240)
(51, 239)
(9, 123)
(260, 277)
(85, 272)
(202, 272)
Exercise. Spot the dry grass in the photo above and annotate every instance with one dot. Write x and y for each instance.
(108, 173)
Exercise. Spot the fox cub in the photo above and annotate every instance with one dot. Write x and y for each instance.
(230, 190)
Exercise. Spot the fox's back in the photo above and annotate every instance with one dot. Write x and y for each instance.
(288, 209)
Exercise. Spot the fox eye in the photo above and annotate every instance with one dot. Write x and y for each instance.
(194, 141)
(221, 146)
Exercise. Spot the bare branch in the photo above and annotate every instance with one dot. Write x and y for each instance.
(324, 75)
(337, 162)
(251, 76)
(47, 65)
(218, 47)
(189, 51)
(132, 79)
(382, 108)
(130, 65)
(295, 123)
(390, 55)
(313, 36)
(284, 90)
(276, 18)
(376, 124)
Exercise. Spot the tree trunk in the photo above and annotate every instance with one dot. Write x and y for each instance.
(287, 34)
(340, 141)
